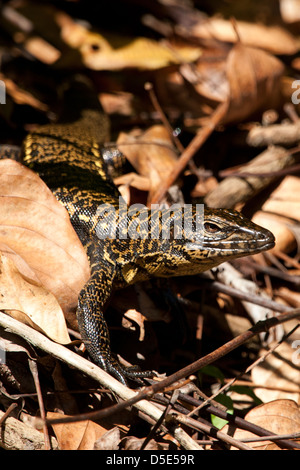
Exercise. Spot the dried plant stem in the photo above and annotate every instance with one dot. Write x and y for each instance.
(199, 139)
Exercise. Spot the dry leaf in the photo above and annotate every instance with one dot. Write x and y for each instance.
(151, 154)
(279, 373)
(81, 435)
(246, 78)
(138, 318)
(36, 233)
(280, 211)
(280, 227)
(271, 38)
(254, 81)
(279, 417)
(30, 303)
(109, 441)
(21, 96)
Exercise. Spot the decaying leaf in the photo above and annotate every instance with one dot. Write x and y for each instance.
(279, 417)
(36, 233)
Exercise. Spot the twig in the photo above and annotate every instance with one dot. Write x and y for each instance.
(296, 435)
(7, 413)
(74, 360)
(158, 108)
(237, 421)
(199, 139)
(255, 299)
(132, 398)
(34, 371)
(210, 430)
(148, 392)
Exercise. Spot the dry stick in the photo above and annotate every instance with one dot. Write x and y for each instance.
(199, 139)
(72, 358)
(255, 299)
(148, 392)
(229, 383)
(208, 429)
(156, 105)
(35, 375)
(268, 174)
(274, 272)
(92, 370)
(7, 413)
(238, 421)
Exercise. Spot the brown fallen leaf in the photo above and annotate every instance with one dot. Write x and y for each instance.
(254, 81)
(36, 233)
(151, 153)
(248, 79)
(31, 303)
(134, 316)
(281, 213)
(80, 435)
(279, 417)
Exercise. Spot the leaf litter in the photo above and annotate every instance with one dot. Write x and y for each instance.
(215, 80)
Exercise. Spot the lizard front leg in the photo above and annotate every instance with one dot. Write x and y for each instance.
(93, 327)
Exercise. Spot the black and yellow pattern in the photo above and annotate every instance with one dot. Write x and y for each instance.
(67, 156)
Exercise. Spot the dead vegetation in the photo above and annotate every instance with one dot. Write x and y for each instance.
(204, 105)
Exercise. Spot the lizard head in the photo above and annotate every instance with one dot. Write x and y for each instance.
(198, 243)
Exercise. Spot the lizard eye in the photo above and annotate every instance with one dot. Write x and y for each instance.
(211, 227)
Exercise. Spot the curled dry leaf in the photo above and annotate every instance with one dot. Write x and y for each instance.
(279, 417)
(136, 317)
(37, 235)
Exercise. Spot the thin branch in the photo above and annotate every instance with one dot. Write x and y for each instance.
(199, 139)
(34, 372)
(132, 398)
(148, 392)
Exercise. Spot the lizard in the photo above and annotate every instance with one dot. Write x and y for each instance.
(67, 155)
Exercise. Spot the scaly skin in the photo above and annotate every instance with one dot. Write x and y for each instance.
(68, 157)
